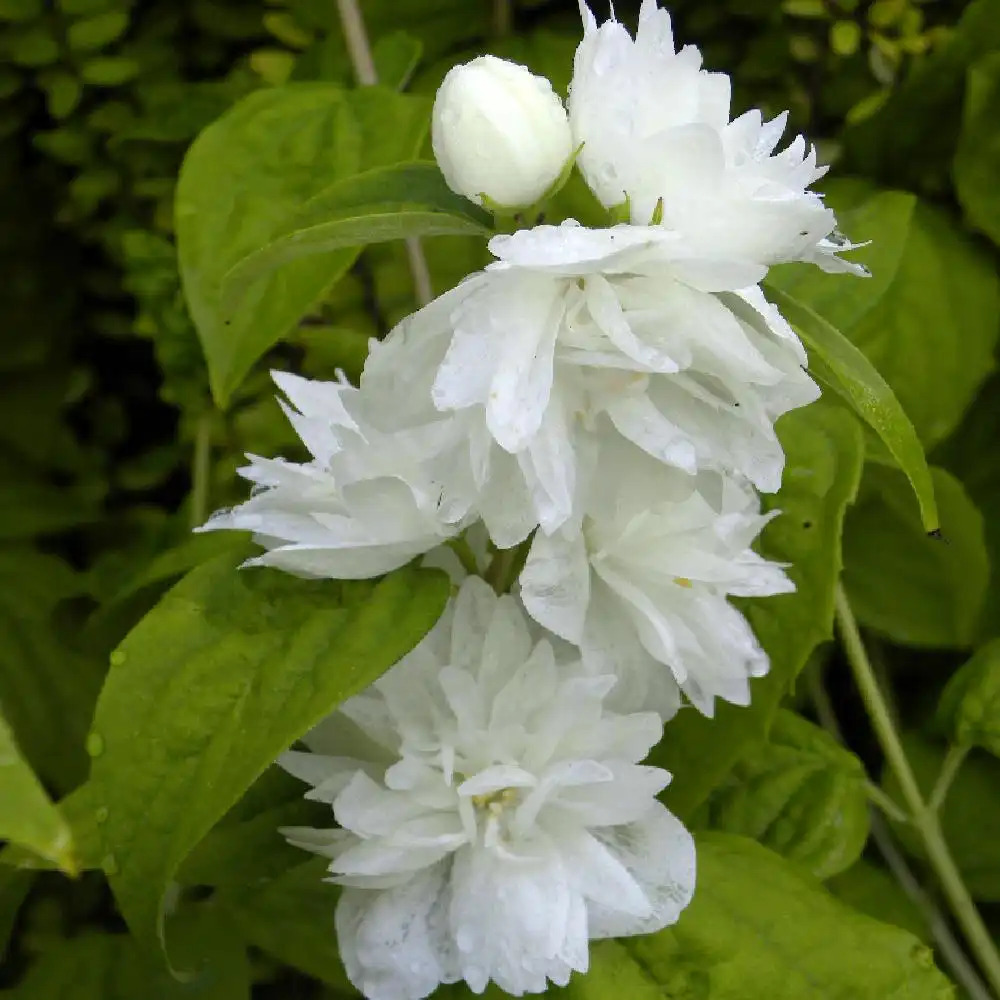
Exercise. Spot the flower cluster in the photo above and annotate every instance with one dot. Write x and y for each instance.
(602, 402)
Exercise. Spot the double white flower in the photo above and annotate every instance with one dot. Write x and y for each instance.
(500, 818)
(610, 394)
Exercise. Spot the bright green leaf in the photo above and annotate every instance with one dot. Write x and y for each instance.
(246, 175)
(977, 159)
(28, 817)
(918, 590)
(800, 794)
(225, 673)
(969, 707)
(970, 816)
(851, 375)
(759, 928)
(95, 32)
(823, 448)
(291, 918)
(876, 892)
(389, 203)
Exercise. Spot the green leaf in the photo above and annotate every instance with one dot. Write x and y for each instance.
(109, 71)
(14, 889)
(291, 918)
(63, 92)
(801, 794)
(759, 928)
(969, 707)
(918, 590)
(876, 892)
(931, 344)
(20, 10)
(971, 453)
(46, 688)
(225, 673)
(977, 159)
(970, 816)
(852, 376)
(28, 817)
(389, 203)
(396, 57)
(95, 32)
(823, 448)
(33, 47)
(246, 175)
(95, 966)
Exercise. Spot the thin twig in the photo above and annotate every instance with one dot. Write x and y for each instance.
(360, 52)
(947, 944)
(949, 769)
(925, 820)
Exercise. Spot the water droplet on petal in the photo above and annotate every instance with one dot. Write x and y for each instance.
(95, 744)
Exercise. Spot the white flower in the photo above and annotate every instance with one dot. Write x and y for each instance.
(642, 587)
(500, 819)
(367, 503)
(499, 130)
(655, 129)
(572, 325)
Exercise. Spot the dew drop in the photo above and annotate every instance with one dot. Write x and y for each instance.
(117, 657)
(109, 864)
(95, 744)
(101, 814)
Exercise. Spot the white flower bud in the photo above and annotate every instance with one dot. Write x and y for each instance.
(500, 131)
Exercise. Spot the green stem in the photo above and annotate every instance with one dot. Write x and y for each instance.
(201, 469)
(461, 547)
(949, 769)
(503, 18)
(352, 23)
(925, 820)
(887, 804)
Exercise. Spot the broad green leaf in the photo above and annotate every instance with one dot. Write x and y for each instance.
(389, 203)
(849, 373)
(245, 175)
(800, 794)
(933, 348)
(918, 590)
(823, 448)
(47, 689)
(246, 847)
(291, 918)
(876, 892)
(977, 159)
(759, 928)
(96, 966)
(970, 816)
(226, 672)
(28, 817)
(969, 708)
(971, 453)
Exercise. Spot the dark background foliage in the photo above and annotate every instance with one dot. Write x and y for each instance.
(106, 417)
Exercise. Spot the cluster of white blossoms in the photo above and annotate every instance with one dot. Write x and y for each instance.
(601, 401)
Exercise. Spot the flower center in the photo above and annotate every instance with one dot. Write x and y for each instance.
(493, 812)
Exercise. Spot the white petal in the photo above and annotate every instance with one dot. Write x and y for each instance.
(555, 583)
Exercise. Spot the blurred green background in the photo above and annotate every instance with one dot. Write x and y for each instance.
(104, 400)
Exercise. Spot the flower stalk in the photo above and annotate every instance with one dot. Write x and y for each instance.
(923, 812)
